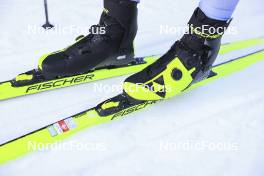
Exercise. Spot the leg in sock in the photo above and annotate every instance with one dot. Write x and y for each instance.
(218, 9)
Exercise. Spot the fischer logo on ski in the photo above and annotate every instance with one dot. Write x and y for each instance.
(132, 109)
(59, 83)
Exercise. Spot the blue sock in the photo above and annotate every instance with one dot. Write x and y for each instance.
(218, 9)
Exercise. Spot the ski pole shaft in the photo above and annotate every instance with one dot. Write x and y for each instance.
(47, 25)
(46, 11)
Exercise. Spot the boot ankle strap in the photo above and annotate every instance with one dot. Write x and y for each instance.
(206, 27)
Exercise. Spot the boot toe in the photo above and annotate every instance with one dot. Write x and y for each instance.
(54, 64)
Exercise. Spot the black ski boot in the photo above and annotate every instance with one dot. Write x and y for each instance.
(110, 45)
(189, 60)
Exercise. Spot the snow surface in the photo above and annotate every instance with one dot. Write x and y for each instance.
(228, 111)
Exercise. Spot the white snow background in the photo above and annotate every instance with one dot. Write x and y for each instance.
(229, 111)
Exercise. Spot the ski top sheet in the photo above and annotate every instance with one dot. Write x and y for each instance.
(8, 90)
(67, 127)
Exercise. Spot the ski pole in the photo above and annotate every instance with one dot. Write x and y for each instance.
(47, 25)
